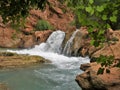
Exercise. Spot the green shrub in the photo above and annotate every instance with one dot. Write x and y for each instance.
(43, 25)
(98, 16)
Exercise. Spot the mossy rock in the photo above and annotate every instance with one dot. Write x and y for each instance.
(12, 60)
(7, 54)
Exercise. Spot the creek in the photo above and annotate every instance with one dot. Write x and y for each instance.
(58, 75)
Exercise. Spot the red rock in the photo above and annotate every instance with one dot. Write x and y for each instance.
(41, 36)
(89, 80)
(56, 18)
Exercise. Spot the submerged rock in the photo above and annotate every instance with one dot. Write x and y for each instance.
(12, 60)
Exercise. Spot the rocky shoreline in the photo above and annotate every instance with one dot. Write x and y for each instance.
(10, 60)
(60, 17)
(89, 80)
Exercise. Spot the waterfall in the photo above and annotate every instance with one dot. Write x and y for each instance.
(54, 42)
(51, 50)
(67, 49)
(58, 75)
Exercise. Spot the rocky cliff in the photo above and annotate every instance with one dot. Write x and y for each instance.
(57, 14)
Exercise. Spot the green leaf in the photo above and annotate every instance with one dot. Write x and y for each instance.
(115, 12)
(100, 71)
(100, 8)
(92, 42)
(113, 19)
(88, 9)
(90, 30)
(108, 26)
(101, 32)
(92, 12)
(96, 44)
(91, 1)
(104, 17)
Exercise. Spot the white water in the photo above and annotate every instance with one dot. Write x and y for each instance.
(67, 49)
(54, 42)
(59, 75)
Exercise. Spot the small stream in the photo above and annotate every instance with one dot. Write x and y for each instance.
(58, 75)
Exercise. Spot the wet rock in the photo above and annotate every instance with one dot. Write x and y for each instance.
(12, 60)
(41, 36)
(89, 80)
(81, 42)
(85, 66)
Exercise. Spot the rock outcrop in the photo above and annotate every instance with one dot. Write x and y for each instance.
(89, 80)
(57, 14)
(81, 42)
(112, 48)
(8, 37)
(41, 36)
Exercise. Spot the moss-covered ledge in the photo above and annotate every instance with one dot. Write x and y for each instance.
(13, 60)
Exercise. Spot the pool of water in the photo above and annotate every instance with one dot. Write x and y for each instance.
(58, 75)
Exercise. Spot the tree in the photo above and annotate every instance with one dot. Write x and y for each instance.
(13, 10)
(98, 16)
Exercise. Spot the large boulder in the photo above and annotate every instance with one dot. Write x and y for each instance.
(89, 80)
(80, 45)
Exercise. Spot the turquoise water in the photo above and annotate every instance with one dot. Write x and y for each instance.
(42, 77)
(58, 75)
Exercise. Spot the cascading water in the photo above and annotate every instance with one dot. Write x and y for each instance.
(54, 42)
(58, 75)
(67, 49)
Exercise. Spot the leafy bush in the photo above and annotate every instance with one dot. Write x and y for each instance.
(98, 16)
(13, 10)
(96, 13)
(43, 25)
